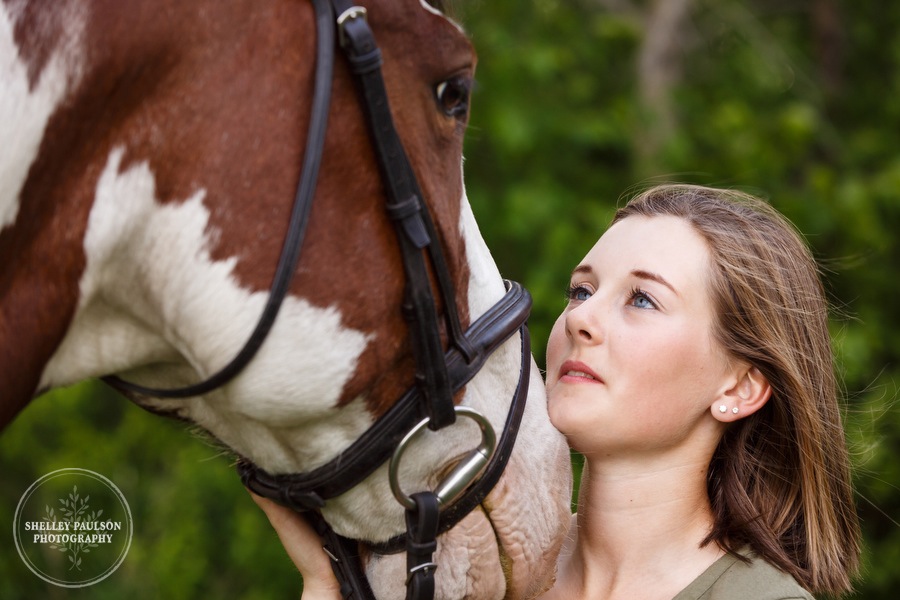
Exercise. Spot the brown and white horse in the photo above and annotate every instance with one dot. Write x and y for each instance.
(150, 155)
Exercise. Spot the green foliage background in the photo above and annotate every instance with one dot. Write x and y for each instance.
(795, 101)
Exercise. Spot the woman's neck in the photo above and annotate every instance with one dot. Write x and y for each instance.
(640, 528)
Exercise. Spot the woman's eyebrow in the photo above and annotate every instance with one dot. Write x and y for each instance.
(586, 269)
(640, 274)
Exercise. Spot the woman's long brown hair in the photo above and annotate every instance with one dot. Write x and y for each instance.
(779, 480)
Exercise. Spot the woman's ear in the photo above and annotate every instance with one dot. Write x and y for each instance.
(749, 394)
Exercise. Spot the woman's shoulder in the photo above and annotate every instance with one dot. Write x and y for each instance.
(730, 577)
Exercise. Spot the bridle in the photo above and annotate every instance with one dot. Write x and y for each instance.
(439, 372)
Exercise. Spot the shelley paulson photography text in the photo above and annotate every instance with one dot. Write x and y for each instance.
(51, 532)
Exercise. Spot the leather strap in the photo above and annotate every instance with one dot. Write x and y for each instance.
(421, 542)
(345, 560)
(415, 233)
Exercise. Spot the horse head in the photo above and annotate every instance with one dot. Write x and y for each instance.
(153, 149)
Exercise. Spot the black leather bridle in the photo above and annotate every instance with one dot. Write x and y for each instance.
(440, 372)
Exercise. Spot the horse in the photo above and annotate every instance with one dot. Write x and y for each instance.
(151, 152)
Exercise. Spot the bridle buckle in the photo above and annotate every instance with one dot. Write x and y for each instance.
(351, 14)
(424, 567)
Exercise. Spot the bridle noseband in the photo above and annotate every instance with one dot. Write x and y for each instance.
(440, 372)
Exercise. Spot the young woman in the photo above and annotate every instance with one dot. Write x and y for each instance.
(693, 369)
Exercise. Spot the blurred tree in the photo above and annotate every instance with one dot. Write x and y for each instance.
(582, 101)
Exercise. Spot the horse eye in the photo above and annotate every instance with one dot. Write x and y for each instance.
(453, 96)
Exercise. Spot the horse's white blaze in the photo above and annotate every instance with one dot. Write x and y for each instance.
(25, 110)
(151, 294)
(528, 507)
(435, 11)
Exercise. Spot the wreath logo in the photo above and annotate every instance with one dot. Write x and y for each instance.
(74, 511)
(73, 527)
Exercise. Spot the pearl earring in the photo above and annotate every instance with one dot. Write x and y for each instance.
(722, 408)
(735, 410)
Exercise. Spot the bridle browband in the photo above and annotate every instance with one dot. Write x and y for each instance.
(439, 373)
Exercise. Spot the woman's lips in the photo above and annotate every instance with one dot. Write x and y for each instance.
(573, 371)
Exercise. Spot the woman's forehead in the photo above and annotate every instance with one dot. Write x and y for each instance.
(663, 245)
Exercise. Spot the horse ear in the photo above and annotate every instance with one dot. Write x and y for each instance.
(749, 393)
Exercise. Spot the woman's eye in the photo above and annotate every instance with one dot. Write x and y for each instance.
(577, 293)
(640, 299)
(453, 96)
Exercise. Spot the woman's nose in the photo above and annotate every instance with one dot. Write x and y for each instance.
(582, 322)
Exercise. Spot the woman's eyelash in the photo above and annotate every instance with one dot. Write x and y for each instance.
(572, 291)
(637, 292)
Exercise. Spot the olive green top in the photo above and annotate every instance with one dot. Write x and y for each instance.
(730, 578)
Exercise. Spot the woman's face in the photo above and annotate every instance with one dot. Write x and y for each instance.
(632, 366)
